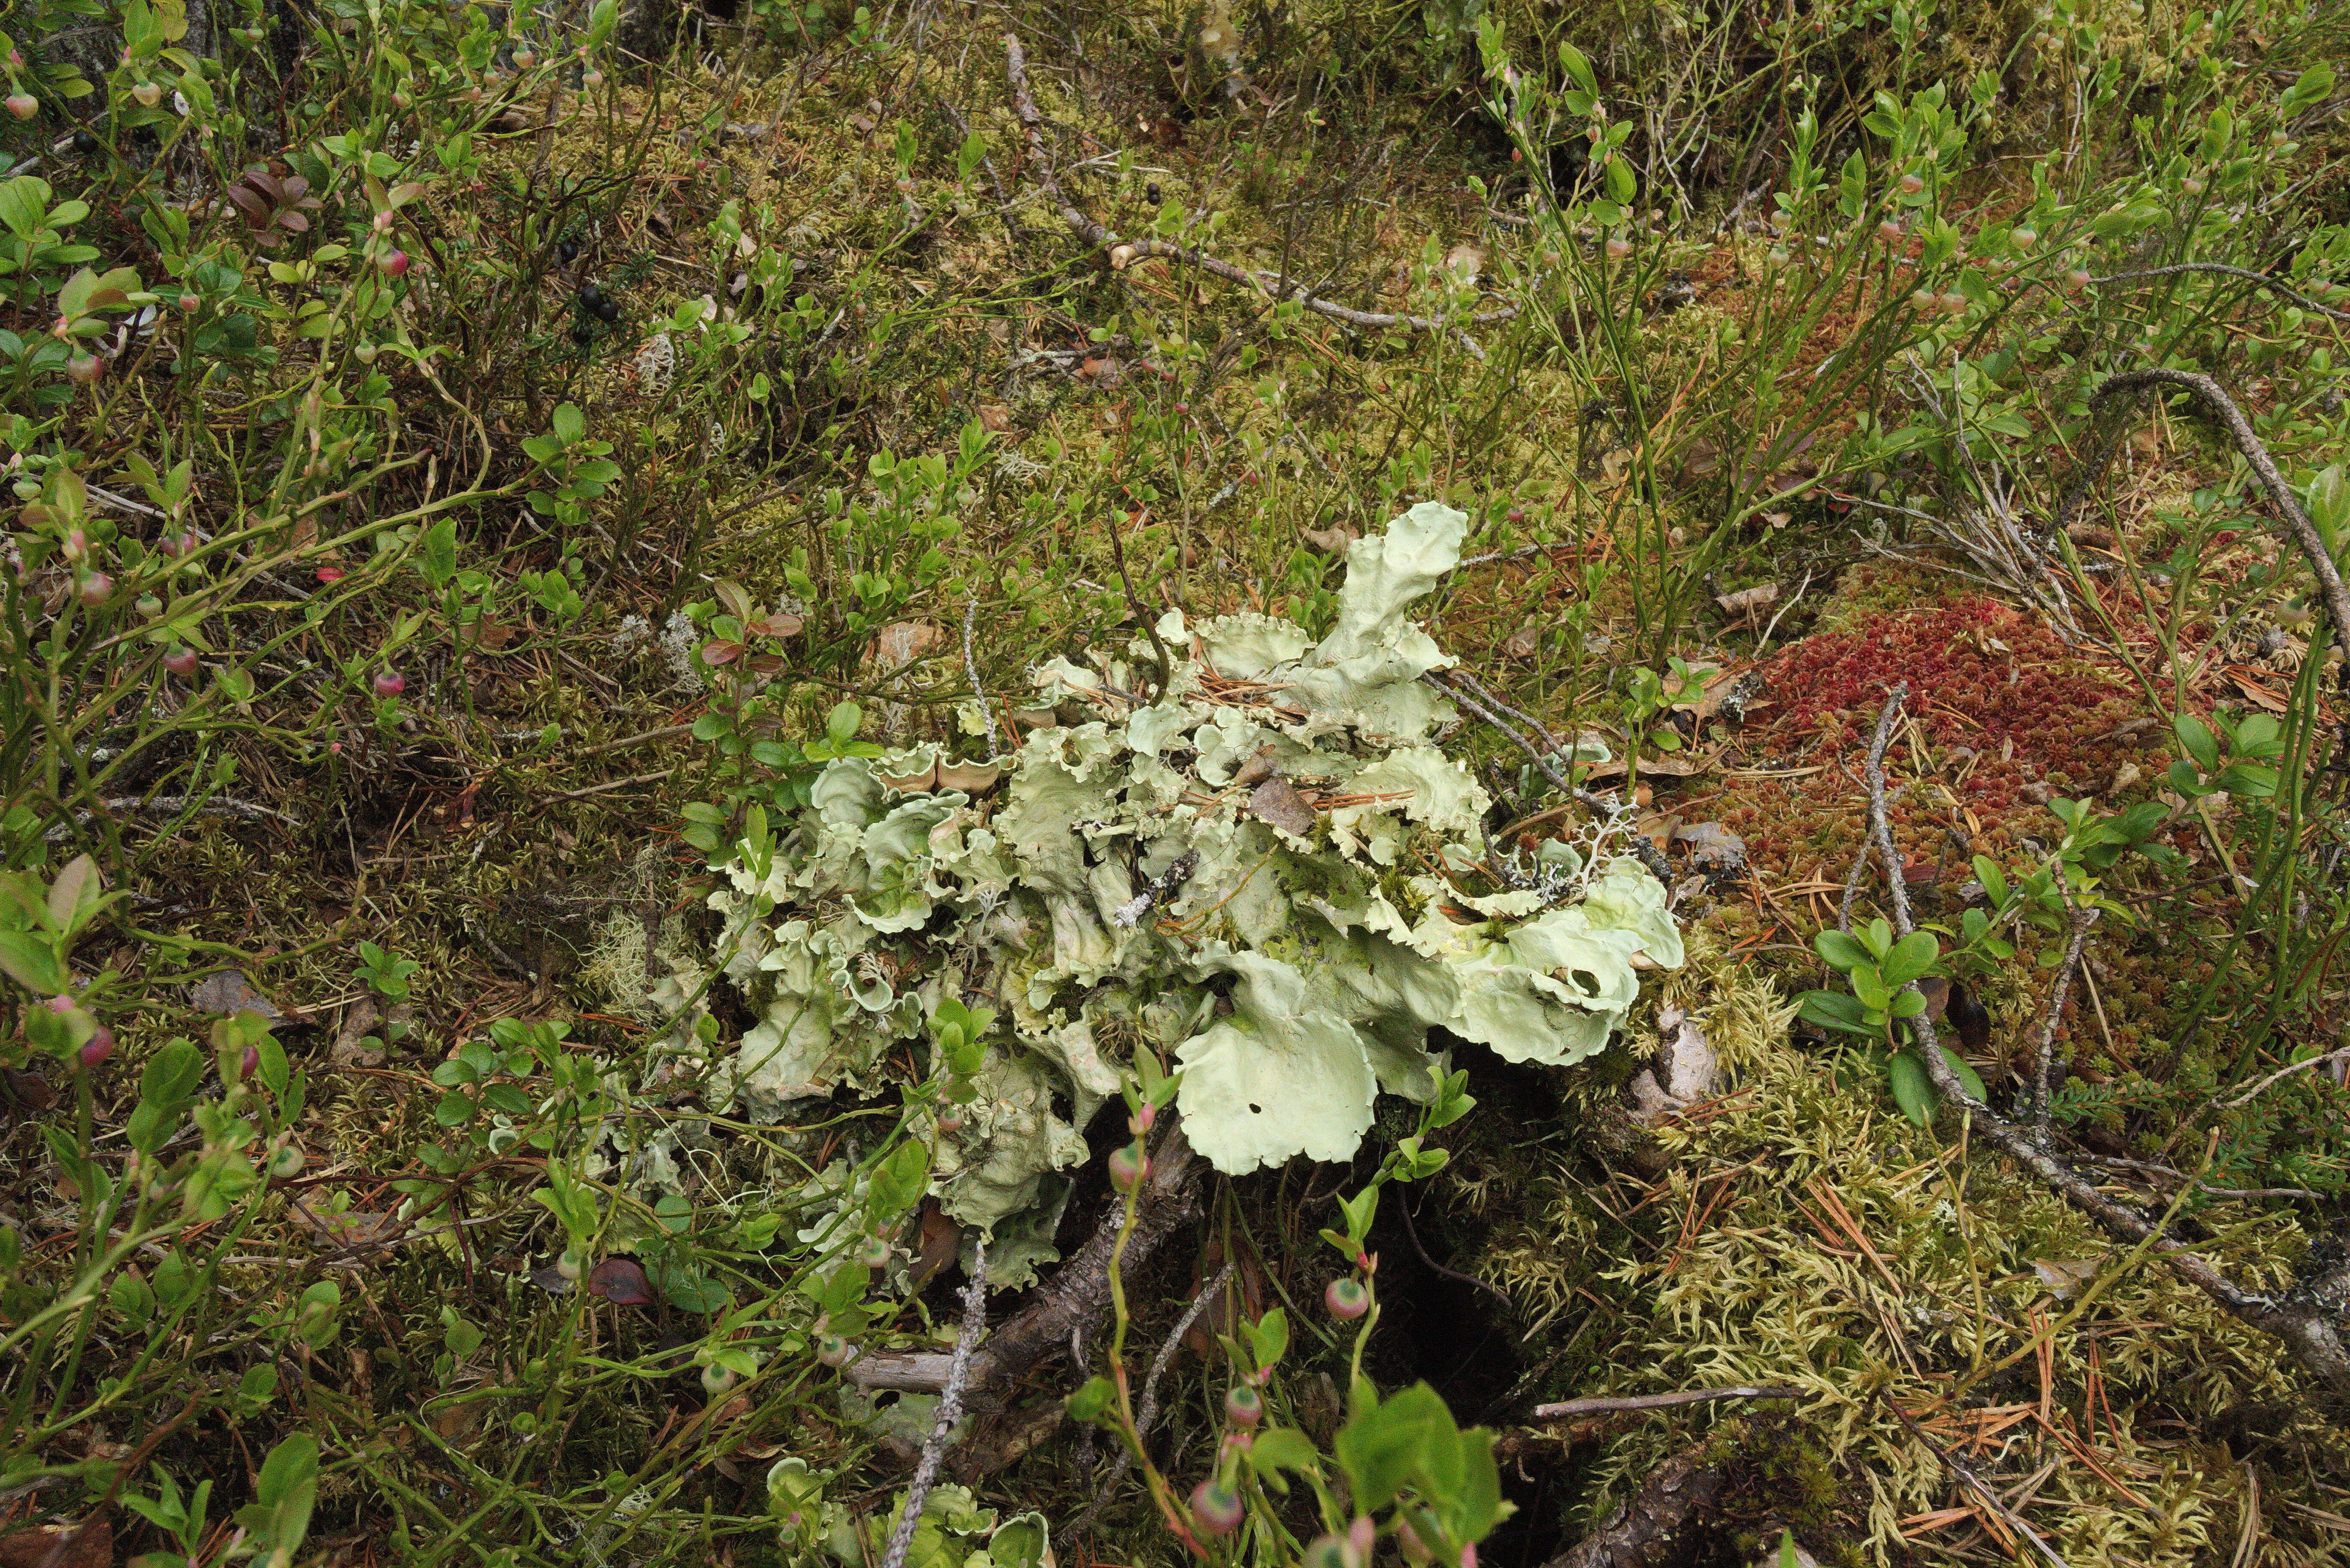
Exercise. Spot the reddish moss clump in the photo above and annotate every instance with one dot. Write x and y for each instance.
(2011, 715)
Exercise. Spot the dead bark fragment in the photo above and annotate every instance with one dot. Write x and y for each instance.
(1655, 1526)
(1074, 1299)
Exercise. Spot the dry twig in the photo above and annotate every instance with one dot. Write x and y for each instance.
(926, 1471)
(1565, 1408)
(1148, 1417)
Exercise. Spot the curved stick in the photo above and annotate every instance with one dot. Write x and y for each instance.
(2128, 384)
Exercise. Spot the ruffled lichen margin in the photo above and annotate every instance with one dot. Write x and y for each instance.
(1236, 848)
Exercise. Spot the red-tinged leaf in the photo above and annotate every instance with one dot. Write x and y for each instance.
(331, 574)
(781, 623)
(255, 210)
(718, 652)
(296, 221)
(621, 1281)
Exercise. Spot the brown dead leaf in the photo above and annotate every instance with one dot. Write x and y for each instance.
(356, 1044)
(1682, 765)
(1701, 462)
(938, 1244)
(1523, 643)
(1276, 800)
(350, 1228)
(460, 1421)
(229, 992)
(1330, 541)
(901, 642)
(2256, 693)
(21, 1091)
(1749, 604)
(1259, 767)
(89, 1544)
(994, 417)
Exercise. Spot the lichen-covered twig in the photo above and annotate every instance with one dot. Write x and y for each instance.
(971, 668)
(2044, 1049)
(2263, 279)
(926, 1471)
(2303, 1326)
(1460, 689)
(1148, 1417)
(1134, 250)
(1602, 1406)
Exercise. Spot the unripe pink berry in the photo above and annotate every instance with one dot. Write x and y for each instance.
(393, 262)
(833, 1350)
(1127, 1167)
(190, 303)
(251, 1061)
(2025, 239)
(95, 589)
(874, 1253)
(1244, 1406)
(2077, 278)
(1330, 1552)
(1346, 1298)
(147, 94)
(390, 683)
(1216, 1509)
(1911, 184)
(1619, 247)
(98, 1047)
(85, 369)
(180, 659)
(1889, 231)
(23, 105)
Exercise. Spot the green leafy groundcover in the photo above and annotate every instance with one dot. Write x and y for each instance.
(1254, 861)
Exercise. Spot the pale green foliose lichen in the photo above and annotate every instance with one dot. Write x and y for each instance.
(1261, 866)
